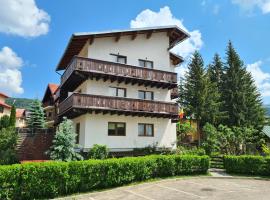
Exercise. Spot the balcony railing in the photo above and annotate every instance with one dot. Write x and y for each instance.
(122, 72)
(77, 104)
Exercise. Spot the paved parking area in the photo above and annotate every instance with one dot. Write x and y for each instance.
(188, 189)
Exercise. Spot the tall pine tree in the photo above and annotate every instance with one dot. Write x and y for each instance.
(215, 71)
(12, 118)
(36, 118)
(193, 94)
(241, 99)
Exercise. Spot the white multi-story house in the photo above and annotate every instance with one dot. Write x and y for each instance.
(117, 87)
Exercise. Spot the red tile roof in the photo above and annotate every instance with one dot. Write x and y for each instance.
(19, 112)
(53, 87)
(5, 105)
(3, 95)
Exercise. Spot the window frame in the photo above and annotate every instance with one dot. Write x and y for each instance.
(146, 61)
(144, 132)
(144, 95)
(116, 128)
(118, 56)
(119, 88)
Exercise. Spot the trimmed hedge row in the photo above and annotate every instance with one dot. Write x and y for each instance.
(248, 165)
(51, 179)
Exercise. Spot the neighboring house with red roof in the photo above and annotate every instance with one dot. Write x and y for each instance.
(49, 103)
(20, 118)
(4, 108)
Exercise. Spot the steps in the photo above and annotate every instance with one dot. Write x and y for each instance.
(217, 162)
(20, 142)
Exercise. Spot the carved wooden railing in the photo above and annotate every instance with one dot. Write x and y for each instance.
(86, 101)
(117, 69)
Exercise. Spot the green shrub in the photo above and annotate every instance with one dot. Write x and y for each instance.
(98, 152)
(8, 141)
(249, 165)
(51, 179)
(190, 151)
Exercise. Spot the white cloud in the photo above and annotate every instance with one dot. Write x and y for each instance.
(262, 79)
(148, 18)
(10, 74)
(250, 5)
(23, 18)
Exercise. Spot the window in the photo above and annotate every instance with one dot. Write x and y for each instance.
(116, 129)
(78, 133)
(120, 59)
(118, 92)
(1, 109)
(146, 63)
(146, 130)
(146, 95)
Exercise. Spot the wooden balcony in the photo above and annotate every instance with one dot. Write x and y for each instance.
(78, 104)
(81, 69)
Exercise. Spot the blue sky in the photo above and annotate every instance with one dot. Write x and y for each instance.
(34, 34)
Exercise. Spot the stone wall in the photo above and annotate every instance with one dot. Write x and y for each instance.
(33, 145)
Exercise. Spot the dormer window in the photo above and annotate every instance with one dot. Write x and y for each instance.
(119, 58)
(146, 63)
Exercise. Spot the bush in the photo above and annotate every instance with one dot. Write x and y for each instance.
(51, 179)
(98, 152)
(8, 141)
(190, 151)
(248, 165)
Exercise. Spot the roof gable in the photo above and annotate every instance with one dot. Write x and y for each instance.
(78, 40)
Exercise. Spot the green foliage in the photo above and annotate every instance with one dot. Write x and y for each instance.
(8, 141)
(4, 122)
(211, 142)
(98, 152)
(20, 102)
(52, 179)
(248, 165)
(36, 117)
(200, 94)
(225, 94)
(183, 128)
(228, 140)
(216, 71)
(182, 150)
(265, 150)
(64, 143)
(242, 101)
(12, 118)
(194, 91)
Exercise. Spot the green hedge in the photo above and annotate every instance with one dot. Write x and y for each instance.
(248, 165)
(51, 179)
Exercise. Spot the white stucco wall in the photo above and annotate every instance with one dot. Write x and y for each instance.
(103, 88)
(154, 49)
(6, 111)
(94, 130)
